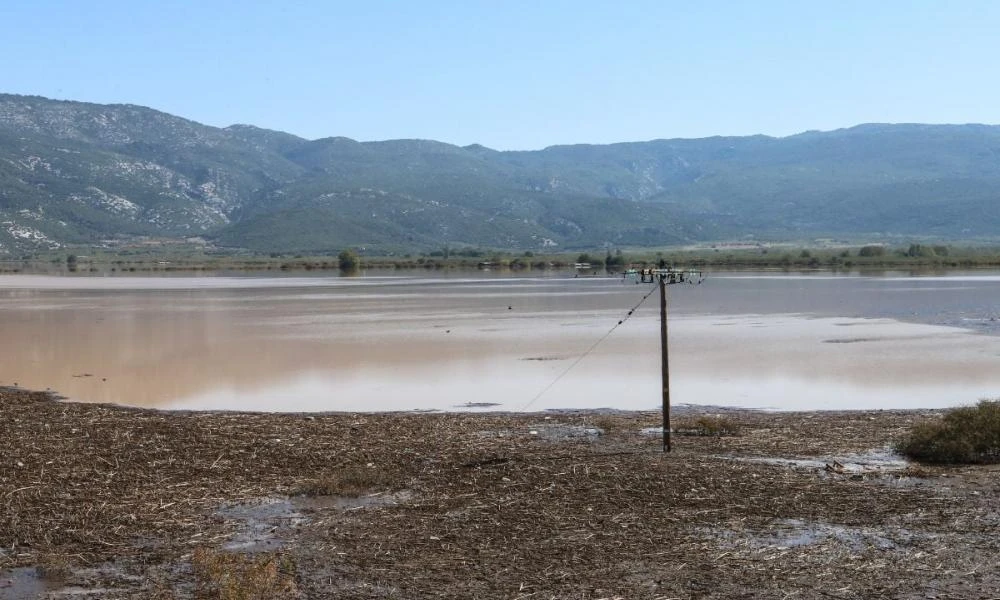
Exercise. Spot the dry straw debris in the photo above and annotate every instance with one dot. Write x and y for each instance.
(138, 503)
(235, 576)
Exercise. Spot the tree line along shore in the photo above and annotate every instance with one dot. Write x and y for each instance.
(169, 258)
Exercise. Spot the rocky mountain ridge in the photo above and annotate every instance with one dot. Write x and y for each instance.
(74, 173)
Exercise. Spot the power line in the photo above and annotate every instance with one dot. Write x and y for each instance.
(588, 351)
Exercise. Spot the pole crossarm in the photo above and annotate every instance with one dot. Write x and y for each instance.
(668, 275)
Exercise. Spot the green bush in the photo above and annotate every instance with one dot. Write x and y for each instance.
(921, 251)
(969, 434)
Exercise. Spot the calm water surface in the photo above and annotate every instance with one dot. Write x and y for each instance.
(449, 343)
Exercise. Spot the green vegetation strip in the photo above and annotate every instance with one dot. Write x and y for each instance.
(351, 260)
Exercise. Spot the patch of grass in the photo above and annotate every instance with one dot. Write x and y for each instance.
(965, 435)
(709, 426)
(349, 481)
(235, 576)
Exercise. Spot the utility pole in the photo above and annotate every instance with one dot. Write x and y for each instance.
(665, 277)
(664, 363)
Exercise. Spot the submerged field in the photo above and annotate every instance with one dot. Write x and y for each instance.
(318, 344)
(127, 503)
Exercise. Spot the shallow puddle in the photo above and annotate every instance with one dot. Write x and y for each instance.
(266, 525)
(558, 431)
(873, 461)
(792, 533)
(355, 502)
(24, 584)
(881, 466)
(263, 525)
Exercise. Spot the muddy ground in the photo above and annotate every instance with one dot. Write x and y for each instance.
(110, 502)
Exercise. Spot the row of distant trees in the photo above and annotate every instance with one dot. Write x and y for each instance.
(616, 261)
(349, 260)
(914, 251)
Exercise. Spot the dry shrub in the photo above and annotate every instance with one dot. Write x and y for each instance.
(969, 434)
(223, 575)
(611, 423)
(709, 426)
(349, 481)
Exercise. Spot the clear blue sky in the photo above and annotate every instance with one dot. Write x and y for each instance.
(512, 74)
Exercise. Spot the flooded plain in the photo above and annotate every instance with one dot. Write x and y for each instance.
(475, 341)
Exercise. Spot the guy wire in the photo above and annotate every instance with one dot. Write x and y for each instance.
(588, 351)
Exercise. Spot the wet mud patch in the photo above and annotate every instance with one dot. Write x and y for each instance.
(25, 583)
(882, 338)
(376, 500)
(60, 580)
(552, 432)
(857, 340)
(879, 466)
(796, 533)
(554, 429)
(477, 405)
(876, 461)
(262, 526)
(560, 431)
(271, 524)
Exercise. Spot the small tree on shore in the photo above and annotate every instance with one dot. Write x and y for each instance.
(349, 260)
(614, 262)
(870, 251)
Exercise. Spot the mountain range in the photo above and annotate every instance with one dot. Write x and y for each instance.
(74, 173)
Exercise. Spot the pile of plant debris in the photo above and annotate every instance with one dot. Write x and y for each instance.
(128, 503)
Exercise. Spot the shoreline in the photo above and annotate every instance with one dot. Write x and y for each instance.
(686, 410)
(144, 503)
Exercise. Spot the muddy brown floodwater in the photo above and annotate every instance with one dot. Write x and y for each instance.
(474, 341)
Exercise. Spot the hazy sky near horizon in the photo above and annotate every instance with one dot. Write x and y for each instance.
(515, 74)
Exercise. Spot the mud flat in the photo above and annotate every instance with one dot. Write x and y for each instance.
(109, 502)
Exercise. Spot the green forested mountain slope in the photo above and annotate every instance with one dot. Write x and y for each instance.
(77, 173)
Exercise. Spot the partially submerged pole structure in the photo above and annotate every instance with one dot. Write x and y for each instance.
(664, 364)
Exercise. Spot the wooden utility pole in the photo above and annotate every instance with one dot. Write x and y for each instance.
(665, 277)
(664, 363)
